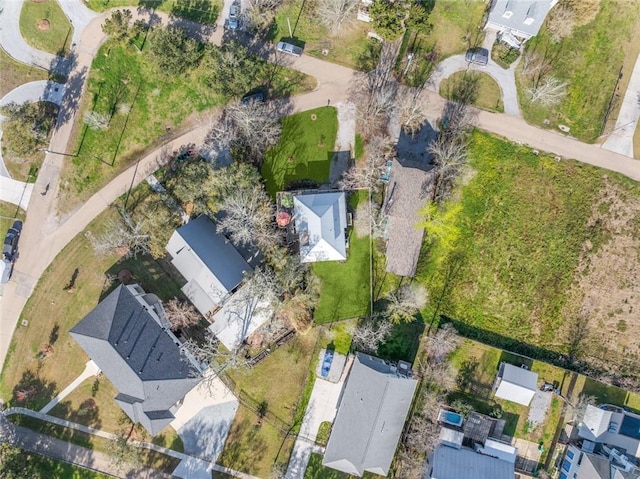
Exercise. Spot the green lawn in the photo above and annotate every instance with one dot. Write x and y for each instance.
(345, 285)
(349, 47)
(44, 26)
(15, 73)
(51, 311)
(489, 95)
(205, 11)
(315, 470)
(254, 445)
(305, 149)
(41, 466)
(146, 107)
(523, 224)
(589, 61)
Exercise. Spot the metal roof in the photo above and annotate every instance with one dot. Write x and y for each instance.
(208, 261)
(517, 384)
(321, 220)
(371, 414)
(451, 463)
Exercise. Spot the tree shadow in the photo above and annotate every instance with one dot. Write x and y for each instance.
(33, 391)
(200, 11)
(74, 83)
(53, 335)
(243, 449)
(403, 342)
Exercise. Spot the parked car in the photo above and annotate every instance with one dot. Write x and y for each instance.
(251, 97)
(289, 48)
(234, 16)
(10, 251)
(479, 56)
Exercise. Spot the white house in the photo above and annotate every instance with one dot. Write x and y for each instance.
(515, 384)
(613, 426)
(211, 265)
(321, 223)
(518, 20)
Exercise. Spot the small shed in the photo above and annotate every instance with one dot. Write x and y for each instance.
(516, 384)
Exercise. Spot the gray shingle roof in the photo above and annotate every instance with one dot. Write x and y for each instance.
(214, 250)
(523, 17)
(371, 415)
(140, 358)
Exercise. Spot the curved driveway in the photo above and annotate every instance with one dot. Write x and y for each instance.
(11, 39)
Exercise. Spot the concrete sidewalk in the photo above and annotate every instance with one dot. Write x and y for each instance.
(621, 138)
(90, 369)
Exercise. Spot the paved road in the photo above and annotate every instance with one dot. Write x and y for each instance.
(621, 138)
(79, 16)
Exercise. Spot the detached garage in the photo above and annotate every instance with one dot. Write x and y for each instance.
(516, 384)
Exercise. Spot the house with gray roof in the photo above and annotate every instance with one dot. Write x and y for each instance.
(131, 343)
(321, 225)
(612, 426)
(456, 462)
(516, 384)
(371, 415)
(516, 21)
(211, 265)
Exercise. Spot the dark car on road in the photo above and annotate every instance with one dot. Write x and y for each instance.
(253, 97)
(10, 251)
(479, 56)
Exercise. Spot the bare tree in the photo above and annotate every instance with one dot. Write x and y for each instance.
(441, 344)
(248, 217)
(371, 332)
(247, 130)
(125, 235)
(96, 120)
(441, 375)
(260, 13)
(180, 314)
(550, 91)
(406, 302)
(374, 93)
(450, 157)
(367, 174)
(334, 14)
(410, 109)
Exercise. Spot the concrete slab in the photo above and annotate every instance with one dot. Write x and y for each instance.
(204, 419)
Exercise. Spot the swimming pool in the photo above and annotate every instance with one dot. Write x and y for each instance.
(450, 417)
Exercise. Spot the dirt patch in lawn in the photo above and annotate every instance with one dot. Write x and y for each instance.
(606, 292)
(43, 24)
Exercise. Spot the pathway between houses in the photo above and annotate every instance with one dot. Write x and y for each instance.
(90, 369)
(345, 140)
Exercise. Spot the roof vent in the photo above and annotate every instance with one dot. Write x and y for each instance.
(508, 10)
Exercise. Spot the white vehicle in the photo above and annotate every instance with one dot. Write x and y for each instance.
(290, 49)
(234, 15)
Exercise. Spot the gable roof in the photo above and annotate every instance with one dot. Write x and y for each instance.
(374, 405)
(522, 17)
(464, 463)
(208, 261)
(516, 384)
(321, 220)
(124, 337)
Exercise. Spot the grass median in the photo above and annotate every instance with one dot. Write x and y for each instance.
(44, 26)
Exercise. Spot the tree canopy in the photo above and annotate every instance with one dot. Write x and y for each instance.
(173, 51)
(387, 18)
